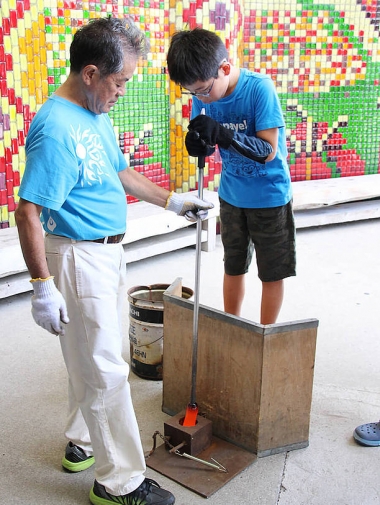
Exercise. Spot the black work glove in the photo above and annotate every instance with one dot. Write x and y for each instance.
(196, 146)
(211, 131)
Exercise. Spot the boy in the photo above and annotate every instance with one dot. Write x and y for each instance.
(244, 117)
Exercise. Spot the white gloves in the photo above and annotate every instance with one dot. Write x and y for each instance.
(188, 205)
(48, 306)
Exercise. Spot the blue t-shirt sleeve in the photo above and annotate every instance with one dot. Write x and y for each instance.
(49, 178)
(196, 107)
(268, 111)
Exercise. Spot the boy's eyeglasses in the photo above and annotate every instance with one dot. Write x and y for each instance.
(201, 93)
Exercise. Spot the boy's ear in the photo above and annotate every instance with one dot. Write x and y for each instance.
(226, 68)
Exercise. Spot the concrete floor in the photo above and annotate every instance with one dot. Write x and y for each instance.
(337, 283)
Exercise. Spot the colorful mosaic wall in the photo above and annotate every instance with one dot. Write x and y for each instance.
(323, 57)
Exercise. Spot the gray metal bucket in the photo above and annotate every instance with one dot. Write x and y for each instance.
(146, 328)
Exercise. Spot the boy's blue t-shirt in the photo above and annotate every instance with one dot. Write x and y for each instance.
(72, 165)
(251, 107)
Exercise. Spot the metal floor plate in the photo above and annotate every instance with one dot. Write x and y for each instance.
(196, 476)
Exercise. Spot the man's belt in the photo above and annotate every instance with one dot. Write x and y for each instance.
(115, 239)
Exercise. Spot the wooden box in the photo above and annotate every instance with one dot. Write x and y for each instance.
(254, 382)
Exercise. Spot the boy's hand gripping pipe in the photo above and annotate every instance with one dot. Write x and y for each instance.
(192, 408)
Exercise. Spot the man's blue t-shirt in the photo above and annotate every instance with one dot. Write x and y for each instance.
(251, 107)
(72, 165)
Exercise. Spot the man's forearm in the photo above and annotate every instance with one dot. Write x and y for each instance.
(141, 187)
(32, 240)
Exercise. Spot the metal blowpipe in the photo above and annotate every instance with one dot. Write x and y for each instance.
(192, 408)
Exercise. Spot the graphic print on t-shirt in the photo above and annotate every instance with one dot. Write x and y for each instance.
(89, 149)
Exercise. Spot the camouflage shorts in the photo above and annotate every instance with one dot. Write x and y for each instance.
(270, 232)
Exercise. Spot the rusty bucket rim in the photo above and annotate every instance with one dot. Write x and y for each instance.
(153, 287)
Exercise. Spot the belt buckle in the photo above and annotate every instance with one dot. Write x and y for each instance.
(111, 239)
(120, 237)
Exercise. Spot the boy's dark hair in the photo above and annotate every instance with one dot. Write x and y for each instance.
(104, 42)
(195, 55)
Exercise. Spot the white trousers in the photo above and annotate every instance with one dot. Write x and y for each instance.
(101, 420)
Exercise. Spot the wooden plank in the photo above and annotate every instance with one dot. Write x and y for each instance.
(327, 192)
(236, 386)
(151, 231)
(316, 203)
(343, 213)
(145, 220)
(11, 259)
(209, 226)
(15, 284)
(160, 244)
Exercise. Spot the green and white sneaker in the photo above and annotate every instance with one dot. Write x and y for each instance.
(75, 459)
(148, 493)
